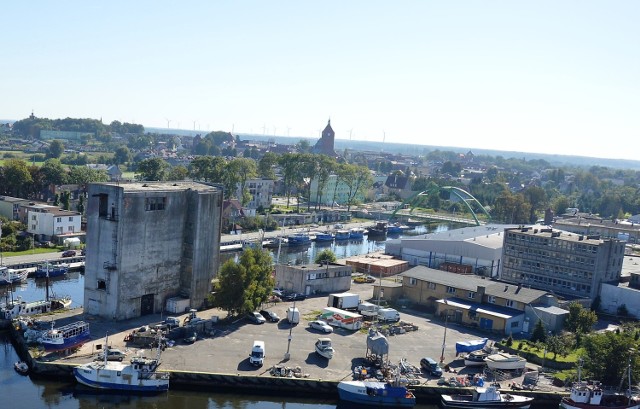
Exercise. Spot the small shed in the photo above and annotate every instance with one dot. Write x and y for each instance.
(71, 243)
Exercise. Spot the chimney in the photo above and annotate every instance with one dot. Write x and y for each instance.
(481, 290)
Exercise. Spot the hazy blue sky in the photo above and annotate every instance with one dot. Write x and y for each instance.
(544, 76)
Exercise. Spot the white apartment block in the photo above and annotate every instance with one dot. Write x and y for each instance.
(341, 192)
(261, 191)
(46, 222)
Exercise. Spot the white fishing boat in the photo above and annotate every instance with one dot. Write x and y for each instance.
(324, 348)
(11, 276)
(486, 397)
(505, 362)
(140, 375)
(19, 307)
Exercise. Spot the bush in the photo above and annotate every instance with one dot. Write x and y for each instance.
(509, 341)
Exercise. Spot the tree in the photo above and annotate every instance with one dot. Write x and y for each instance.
(15, 177)
(539, 333)
(579, 319)
(325, 256)
(289, 165)
(178, 173)
(53, 173)
(243, 286)
(82, 175)
(358, 179)
(235, 177)
(154, 169)
(266, 164)
(326, 166)
(207, 168)
(122, 155)
(56, 148)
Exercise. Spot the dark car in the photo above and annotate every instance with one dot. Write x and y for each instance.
(69, 253)
(430, 366)
(256, 318)
(270, 315)
(295, 297)
(191, 338)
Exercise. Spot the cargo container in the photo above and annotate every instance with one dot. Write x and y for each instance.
(344, 301)
(178, 305)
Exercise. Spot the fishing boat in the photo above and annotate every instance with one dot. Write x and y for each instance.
(343, 234)
(324, 348)
(591, 395)
(299, 239)
(379, 229)
(50, 270)
(139, 375)
(394, 229)
(324, 237)
(476, 358)
(66, 337)
(11, 276)
(356, 233)
(503, 361)
(60, 303)
(486, 397)
(19, 307)
(376, 393)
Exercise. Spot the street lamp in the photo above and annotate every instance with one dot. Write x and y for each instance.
(287, 355)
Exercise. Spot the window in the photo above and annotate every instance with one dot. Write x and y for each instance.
(432, 286)
(515, 324)
(33, 217)
(510, 303)
(59, 219)
(70, 229)
(154, 203)
(102, 285)
(451, 290)
(70, 218)
(491, 299)
(413, 281)
(471, 294)
(33, 227)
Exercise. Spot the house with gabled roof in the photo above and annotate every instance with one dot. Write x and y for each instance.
(482, 303)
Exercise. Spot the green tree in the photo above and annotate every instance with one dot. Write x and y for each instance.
(539, 333)
(358, 179)
(266, 165)
(154, 169)
(579, 319)
(82, 175)
(122, 155)
(326, 166)
(53, 173)
(178, 173)
(557, 345)
(243, 286)
(326, 255)
(207, 168)
(290, 175)
(65, 197)
(15, 177)
(56, 148)
(236, 174)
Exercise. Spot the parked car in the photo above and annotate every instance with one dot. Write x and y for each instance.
(256, 318)
(295, 297)
(430, 366)
(69, 253)
(270, 315)
(112, 355)
(364, 279)
(321, 326)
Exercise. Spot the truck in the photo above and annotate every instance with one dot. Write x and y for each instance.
(368, 310)
(388, 315)
(341, 318)
(344, 301)
(293, 315)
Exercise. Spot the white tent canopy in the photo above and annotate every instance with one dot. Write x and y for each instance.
(71, 243)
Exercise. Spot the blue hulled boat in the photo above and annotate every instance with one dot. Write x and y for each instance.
(324, 237)
(342, 235)
(68, 336)
(375, 393)
(51, 270)
(356, 233)
(299, 239)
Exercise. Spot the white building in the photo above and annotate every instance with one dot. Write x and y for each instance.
(341, 192)
(261, 191)
(46, 222)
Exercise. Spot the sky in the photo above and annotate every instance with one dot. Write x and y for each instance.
(546, 76)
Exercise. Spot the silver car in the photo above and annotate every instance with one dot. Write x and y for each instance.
(321, 326)
(112, 355)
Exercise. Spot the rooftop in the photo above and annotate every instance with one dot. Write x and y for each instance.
(162, 186)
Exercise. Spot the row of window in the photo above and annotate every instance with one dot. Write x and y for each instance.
(58, 219)
(453, 290)
(154, 203)
(325, 274)
(527, 240)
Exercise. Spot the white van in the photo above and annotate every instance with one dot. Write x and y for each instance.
(293, 315)
(256, 357)
(388, 315)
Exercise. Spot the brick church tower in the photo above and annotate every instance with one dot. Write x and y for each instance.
(325, 143)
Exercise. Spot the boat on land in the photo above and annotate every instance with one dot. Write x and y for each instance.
(50, 270)
(139, 375)
(324, 348)
(357, 233)
(342, 234)
(486, 397)
(505, 362)
(11, 276)
(68, 336)
(591, 395)
(376, 393)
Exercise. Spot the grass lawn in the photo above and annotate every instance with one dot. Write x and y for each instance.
(53, 250)
(572, 357)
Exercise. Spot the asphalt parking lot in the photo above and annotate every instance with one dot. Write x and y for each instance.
(227, 350)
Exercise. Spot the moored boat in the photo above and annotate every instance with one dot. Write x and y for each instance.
(486, 397)
(11, 276)
(379, 229)
(342, 235)
(299, 239)
(140, 375)
(324, 237)
(68, 336)
(356, 233)
(376, 393)
(20, 307)
(60, 303)
(48, 269)
(505, 361)
(21, 367)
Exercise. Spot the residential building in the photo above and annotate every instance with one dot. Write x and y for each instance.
(10, 207)
(113, 171)
(483, 303)
(590, 225)
(565, 263)
(314, 278)
(50, 223)
(261, 192)
(400, 184)
(332, 194)
(147, 242)
(475, 249)
(232, 212)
